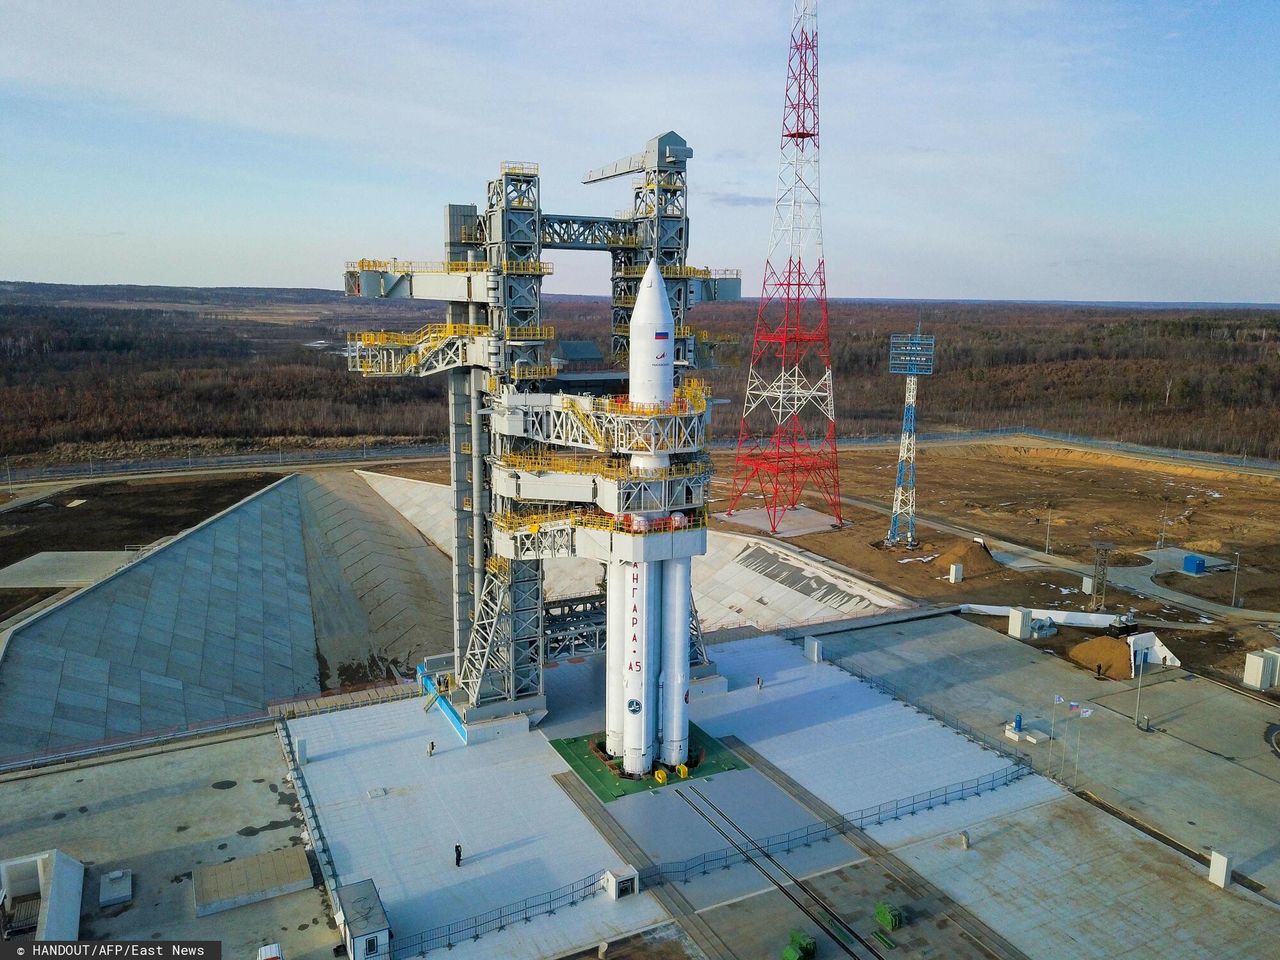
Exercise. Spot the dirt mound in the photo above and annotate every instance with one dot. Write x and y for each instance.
(1113, 654)
(1211, 545)
(974, 556)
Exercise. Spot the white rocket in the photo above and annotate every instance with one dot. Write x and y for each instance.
(647, 668)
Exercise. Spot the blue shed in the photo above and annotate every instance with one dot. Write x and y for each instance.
(1192, 564)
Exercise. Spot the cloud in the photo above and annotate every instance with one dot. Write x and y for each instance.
(738, 199)
(968, 149)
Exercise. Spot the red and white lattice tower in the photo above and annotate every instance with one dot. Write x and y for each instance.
(787, 441)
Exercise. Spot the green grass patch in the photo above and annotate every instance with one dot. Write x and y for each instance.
(585, 755)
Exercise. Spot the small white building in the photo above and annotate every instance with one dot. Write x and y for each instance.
(363, 921)
(42, 891)
(1262, 669)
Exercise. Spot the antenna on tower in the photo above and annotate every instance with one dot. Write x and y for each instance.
(787, 440)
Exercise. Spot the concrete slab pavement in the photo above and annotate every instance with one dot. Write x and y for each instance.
(1205, 778)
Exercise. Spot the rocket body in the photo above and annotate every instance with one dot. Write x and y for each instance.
(652, 619)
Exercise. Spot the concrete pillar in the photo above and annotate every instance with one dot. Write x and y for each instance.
(1219, 869)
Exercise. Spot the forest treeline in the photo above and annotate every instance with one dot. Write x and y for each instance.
(210, 371)
(1191, 378)
(110, 375)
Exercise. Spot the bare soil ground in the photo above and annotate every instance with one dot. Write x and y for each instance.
(119, 513)
(1259, 587)
(1003, 490)
(1008, 490)
(432, 471)
(14, 600)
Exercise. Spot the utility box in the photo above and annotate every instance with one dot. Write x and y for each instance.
(813, 649)
(1019, 623)
(1262, 669)
(1086, 585)
(1219, 869)
(115, 888)
(1193, 564)
(957, 573)
(620, 883)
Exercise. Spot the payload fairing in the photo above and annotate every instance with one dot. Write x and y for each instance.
(647, 687)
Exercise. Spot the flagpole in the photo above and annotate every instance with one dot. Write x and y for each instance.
(1053, 719)
(1075, 775)
(1080, 729)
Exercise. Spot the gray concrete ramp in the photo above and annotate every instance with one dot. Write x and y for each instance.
(378, 586)
(214, 624)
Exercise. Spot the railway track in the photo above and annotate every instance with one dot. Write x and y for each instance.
(805, 899)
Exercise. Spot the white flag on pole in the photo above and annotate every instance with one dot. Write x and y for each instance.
(1087, 712)
(1058, 698)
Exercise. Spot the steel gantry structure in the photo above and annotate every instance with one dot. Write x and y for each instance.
(910, 355)
(541, 462)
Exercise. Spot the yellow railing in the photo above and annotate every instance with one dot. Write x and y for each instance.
(532, 522)
(532, 373)
(469, 234)
(690, 397)
(428, 337)
(706, 336)
(526, 169)
(420, 266)
(694, 520)
(610, 468)
(619, 240)
(531, 333)
(538, 268)
(669, 271)
(670, 181)
(586, 423)
(624, 301)
(499, 566)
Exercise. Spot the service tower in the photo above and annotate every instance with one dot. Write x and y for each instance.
(548, 464)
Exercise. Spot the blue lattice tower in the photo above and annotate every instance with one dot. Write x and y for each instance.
(911, 355)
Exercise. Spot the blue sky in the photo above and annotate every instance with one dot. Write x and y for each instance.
(1030, 149)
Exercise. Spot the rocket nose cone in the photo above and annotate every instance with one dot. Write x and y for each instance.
(652, 305)
(651, 274)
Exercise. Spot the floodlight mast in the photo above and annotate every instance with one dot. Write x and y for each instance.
(910, 355)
